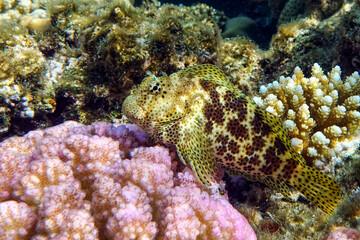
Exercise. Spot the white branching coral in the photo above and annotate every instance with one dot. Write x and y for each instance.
(318, 112)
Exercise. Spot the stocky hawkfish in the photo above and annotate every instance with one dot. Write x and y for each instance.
(213, 124)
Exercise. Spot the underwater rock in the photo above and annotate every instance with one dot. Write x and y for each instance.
(307, 40)
(240, 60)
(319, 9)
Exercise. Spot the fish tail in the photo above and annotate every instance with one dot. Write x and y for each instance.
(321, 190)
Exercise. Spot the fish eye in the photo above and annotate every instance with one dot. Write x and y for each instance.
(155, 86)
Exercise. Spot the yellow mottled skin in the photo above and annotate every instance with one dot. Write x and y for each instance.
(212, 124)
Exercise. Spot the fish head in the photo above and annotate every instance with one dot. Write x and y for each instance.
(158, 102)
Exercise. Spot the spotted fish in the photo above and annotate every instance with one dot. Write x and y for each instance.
(213, 124)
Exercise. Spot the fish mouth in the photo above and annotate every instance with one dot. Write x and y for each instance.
(139, 115)
(132, 110)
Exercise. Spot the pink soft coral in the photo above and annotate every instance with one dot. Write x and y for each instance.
(191, 213)
(103, 181)
(343, 233)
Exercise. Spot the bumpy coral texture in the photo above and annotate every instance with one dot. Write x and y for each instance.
(344, 234)
(16, 220)
(103, 182)
(319, 9)
(240, 61)
(320, 112)
(62, 58)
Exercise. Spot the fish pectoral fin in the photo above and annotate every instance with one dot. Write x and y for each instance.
(198, 156)
(195, 150)
(182, 157)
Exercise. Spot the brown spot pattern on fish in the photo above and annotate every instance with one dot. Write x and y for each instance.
(212, 124)
(289, 169)
(238, 130)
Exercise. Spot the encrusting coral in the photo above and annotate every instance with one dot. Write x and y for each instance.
(320, 112)
(159, 39)
(319, 9)
(69, 57)
(61, 58)
(240, 60)
(24, 91)
(328, 41)
(103, 182)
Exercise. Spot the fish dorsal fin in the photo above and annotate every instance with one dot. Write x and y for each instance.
(210, 73)
(195, 151)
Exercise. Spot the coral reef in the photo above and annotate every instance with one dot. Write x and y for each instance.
(319, 9)
(322, 9)
(240, 60)
(348, 47)
(321, 113)
(312, 39)
(77, 60)
(276, 218)
(24, 91)
(16, 220)
(159, 39)
(123, 43)
(103, 182)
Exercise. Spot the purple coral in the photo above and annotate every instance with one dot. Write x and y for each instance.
(190, 213)
(344, 234)
(103, 181)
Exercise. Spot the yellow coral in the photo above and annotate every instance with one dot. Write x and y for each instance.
(319, 112)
